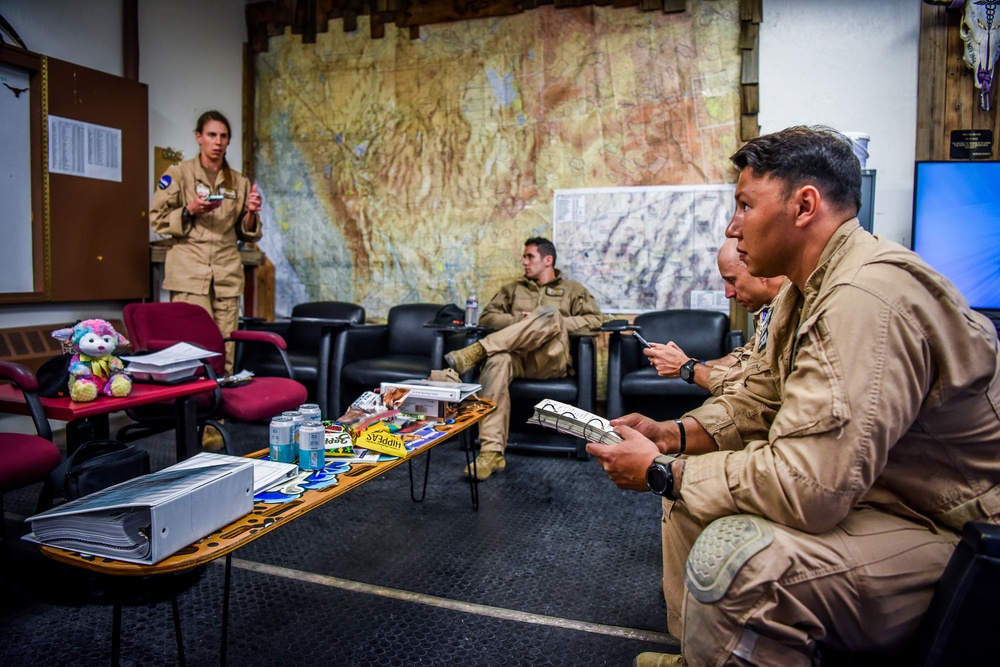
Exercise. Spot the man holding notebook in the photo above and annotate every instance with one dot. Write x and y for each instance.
(828, 520)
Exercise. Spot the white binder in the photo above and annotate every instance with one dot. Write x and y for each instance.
(144, 520)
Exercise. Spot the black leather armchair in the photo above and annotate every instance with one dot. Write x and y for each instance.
(579, 389)
(303, 333)
(635, 386)
(363, 357)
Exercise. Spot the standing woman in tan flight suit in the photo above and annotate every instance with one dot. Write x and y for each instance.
(207, 207)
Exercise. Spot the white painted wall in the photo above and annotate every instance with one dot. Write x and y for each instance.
(852, 65)
(86, 33)
(191, 57)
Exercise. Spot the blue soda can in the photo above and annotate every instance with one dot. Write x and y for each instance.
(311, 412)
(312, 446)
(298, 420)
(282, 440)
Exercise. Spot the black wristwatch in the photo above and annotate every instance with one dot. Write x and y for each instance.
(659, 476)
(687, 370)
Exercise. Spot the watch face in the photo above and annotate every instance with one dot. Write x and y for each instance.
(687, 371)
(658, 479)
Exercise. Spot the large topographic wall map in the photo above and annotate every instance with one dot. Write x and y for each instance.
(397, 170)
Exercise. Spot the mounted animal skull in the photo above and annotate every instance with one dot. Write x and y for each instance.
(979, 30)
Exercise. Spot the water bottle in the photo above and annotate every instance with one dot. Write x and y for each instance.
(472, 309)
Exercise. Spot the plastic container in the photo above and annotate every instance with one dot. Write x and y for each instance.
(472, 309)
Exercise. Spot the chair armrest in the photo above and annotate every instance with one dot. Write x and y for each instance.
(22, 378)
(325, 321)
(258, 337)
(241, 335)
(25, 380)
(617, 326)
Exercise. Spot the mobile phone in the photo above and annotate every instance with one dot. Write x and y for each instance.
(638, 337)
(214, 198)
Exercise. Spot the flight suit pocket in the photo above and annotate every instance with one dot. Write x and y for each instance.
(819, 403)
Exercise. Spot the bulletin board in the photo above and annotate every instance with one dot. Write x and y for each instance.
(87, 177)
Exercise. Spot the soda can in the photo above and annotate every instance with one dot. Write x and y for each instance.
(311, 412)
(282, 440)
(297, 419)
(312, 446)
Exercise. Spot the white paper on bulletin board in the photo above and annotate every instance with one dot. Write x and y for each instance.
(639, 249)
(84, 149)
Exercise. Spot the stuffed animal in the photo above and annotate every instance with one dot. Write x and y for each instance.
(93, 369)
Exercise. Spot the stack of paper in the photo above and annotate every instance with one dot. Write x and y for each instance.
(266, 473)
(176, 362)
(574, 421)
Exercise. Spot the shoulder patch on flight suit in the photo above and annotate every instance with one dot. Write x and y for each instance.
(164, 182)
(555, 291)
(720, 551)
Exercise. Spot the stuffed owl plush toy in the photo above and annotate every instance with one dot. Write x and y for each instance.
(94, 369)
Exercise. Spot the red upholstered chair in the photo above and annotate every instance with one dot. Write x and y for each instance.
(157, 326)
(26, 459)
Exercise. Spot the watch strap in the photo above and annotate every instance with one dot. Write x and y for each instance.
(687, 370)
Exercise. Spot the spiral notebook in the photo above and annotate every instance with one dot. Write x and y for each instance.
(574, 421)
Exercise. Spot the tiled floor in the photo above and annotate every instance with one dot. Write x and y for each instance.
(558, 567)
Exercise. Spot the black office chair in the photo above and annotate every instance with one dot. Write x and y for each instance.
(579, 389)
(303, 333)
(635, 386)
(363, 357)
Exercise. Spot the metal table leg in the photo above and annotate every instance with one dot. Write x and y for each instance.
(225, 610)
(177, 622)
(470, 461)
(427, 467)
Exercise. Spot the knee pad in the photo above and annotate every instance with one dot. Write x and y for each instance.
(720, 551)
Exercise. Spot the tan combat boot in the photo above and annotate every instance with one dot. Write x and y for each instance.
(487, 463)
(466, 358)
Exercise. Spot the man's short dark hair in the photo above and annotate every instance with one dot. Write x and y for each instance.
(545, 247)
(800, 155)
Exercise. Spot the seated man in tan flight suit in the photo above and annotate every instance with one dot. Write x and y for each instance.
(809, 517)
(534, 316)
(754, 294)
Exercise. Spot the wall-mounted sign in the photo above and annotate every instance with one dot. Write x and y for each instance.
(971, 144)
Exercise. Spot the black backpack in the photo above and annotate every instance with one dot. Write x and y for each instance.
(96, 465)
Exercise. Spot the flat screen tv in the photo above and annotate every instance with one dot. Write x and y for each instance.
(956, 226)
